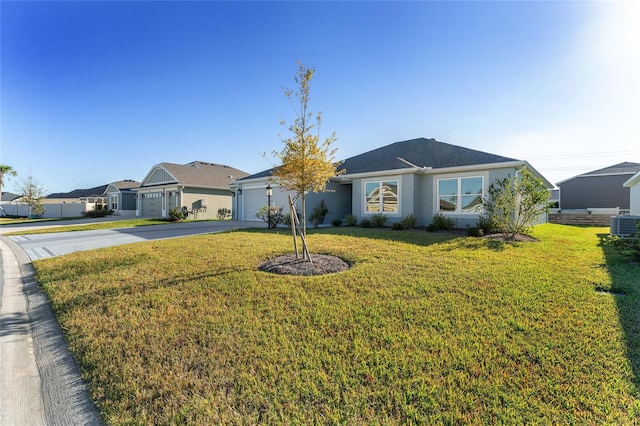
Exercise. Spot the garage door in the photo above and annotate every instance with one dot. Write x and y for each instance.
(152, 204)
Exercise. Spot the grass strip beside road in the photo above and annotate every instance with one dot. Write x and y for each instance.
(424, 328)
(125, 223)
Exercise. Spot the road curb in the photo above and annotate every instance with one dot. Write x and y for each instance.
(64, 395)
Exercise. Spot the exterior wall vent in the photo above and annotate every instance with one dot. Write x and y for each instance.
(624, 226)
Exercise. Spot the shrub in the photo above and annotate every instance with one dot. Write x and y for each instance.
(98, 212)
(440, 222)
(177, 214)
(224, 213)
(514, 204)
(336, 222)
(286, 219)
(408, 222)
(350, 220)
(378, 220)
(317, 215)
(432, 227)
(475, 231)
(275, 217)
(365, 223)
(485, 224)
(398, 226)
(628, 247)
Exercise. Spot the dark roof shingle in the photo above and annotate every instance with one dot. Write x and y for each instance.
(420, 152)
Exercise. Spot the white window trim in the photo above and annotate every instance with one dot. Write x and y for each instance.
(459, 195)
(379, 181)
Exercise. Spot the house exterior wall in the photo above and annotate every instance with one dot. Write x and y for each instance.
(214, 198)
(338, 201)
(634, 199)
(585, 192)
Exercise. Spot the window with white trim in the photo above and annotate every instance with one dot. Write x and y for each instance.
(113, 201)
(381, 197)
(460, 195)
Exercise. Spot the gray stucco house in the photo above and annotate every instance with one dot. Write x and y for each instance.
(200, 187)
(121, 198)
(598, 189)
(421, 176)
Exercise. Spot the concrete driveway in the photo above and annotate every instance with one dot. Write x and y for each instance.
(40, 383)
(40, 246)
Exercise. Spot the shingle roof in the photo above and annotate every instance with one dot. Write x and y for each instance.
(98, 191)
(420, 152)
(616, 169)
(9, 196)
(200, 173)
(126, 184)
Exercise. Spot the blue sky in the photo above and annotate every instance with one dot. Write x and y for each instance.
(95, 92)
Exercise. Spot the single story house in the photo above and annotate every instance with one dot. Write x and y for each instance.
(421, 176)
(91, 196)
(600, 190)
(633, 183)
(121, 198)
(199, 187)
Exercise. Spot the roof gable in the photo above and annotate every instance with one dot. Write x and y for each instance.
(421, 152)
(196, 173)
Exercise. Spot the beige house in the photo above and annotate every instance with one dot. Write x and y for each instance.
(198, 187)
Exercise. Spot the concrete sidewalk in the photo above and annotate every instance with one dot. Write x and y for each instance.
(40, 383)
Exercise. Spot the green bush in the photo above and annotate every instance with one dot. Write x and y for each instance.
(397, 227)
(475, 231)
(98, 212)
(440, 222)
(224, 213)
(485, 223)
(177, 214)
(365, 223)
(408, 222)
(336, 222)
(275, 217)
(350, 220)
(378, 220)
(317, 215)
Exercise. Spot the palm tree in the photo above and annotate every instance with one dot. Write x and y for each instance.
(8, 171)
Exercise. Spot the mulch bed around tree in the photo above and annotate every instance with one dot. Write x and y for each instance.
(320, 264)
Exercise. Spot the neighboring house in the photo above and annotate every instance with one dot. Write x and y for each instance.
(121, 198)
(91, 196)
(423, 177)
(201, 188)
(8, 197)
(634, 193)
(599, 190)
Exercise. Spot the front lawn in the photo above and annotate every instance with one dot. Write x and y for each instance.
(424, 328)
(124, 223)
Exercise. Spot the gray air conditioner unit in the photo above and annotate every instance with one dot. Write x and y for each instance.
(624, 226)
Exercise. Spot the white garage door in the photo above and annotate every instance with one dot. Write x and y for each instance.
(152, 204)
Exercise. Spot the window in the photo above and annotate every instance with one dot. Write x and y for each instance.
(113, 201)
(381, 197)
(152, 195)
(460, 195)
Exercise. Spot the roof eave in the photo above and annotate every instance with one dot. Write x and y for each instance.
(632, 180)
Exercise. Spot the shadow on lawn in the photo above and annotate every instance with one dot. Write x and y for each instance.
(625, 288)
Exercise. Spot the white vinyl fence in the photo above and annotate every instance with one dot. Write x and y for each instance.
(51, 210)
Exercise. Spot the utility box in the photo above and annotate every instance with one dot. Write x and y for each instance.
(199, 205)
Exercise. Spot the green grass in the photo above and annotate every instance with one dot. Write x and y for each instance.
(125, 223)
(23, 220)
(424, 328)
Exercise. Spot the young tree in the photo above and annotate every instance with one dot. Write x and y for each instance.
(513, 204)
(32, 193)
(306, 163)
(5, 171)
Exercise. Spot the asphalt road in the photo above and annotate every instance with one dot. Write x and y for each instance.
(40, 246)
